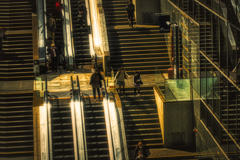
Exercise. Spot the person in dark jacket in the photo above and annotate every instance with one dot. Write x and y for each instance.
(130, 12)
(120, 77)
(137, 80)
(51, 26)
(82, 15)
(140, 152)
(54, 58)
(96, 82)
(2, 37)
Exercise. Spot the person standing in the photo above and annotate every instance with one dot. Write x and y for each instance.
(2, 37)
(130, 12)
(54, 58)
(82, 15)
(59, 52)
(58, 10)
(96, 83)
(51, 26)
(137, 80)
(120, 77)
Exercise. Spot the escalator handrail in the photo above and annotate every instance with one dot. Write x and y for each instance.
(68, 34)
(71, 29)
(74, 119)
(110, 126)
(48, 114)
(93, 56)
(83, 121)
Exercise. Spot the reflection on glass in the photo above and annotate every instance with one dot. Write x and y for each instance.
(177, 89)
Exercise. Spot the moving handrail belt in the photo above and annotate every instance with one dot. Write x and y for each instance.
(107, 100)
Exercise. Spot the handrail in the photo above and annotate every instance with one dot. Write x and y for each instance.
(91, 37)
(66, 56)
(75, 139)
(71, 29)
(41, 30)
(50, 156)
(160, 73)
(111, 136)
(183, 12)
(209, 60)
(159, 93)
(118, 108)
(82, 119)
(68, 35)
(46, 102)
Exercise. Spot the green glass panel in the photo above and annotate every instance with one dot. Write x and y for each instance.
(177, 89)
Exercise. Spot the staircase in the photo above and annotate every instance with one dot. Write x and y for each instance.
(17, 61)
(81, 39)
(62, 133)
(140, 48)
(95, 127)
(16, 127)
(141, 119)
(115, 12)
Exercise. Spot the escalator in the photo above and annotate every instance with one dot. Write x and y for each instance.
(59, 26)
(62, 132)
(81, 39)
(96, 132)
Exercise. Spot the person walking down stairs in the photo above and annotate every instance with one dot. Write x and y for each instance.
(120, 77)
(130, 12)
(82, 15)
(137, 80)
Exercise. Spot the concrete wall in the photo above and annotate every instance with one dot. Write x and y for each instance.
(160, 102)
(149, 6)
(176, 121)
(178, 118)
